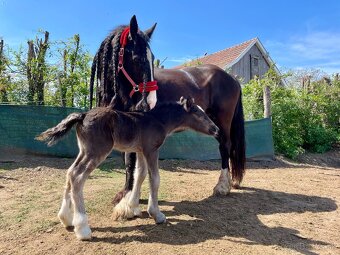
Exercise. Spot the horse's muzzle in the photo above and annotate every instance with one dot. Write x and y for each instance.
(142, 106)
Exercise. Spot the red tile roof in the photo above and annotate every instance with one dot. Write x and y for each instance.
(223, 57)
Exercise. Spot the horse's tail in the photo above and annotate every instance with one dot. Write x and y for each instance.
(52, 135)
(238, 146)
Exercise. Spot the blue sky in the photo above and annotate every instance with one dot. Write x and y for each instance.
(297, 34)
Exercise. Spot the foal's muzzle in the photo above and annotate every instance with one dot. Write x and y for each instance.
(214, 131)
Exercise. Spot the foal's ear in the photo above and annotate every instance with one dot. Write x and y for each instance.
(190, 102)
(149, 31)
(133, 27)
(182, 100)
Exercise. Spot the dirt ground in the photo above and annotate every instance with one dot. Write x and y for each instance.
(282, 208)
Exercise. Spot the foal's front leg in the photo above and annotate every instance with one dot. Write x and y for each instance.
(153, 209)
(128, 207)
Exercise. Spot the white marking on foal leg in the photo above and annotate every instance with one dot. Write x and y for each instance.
(128, 207)
(153, 208)
(81, 226)
(65, 213)
(223, 185)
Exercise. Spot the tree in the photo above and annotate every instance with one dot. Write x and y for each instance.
(4, 77)
(73, 74)
(36, 69)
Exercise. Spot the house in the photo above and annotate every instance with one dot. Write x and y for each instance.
(244, 60)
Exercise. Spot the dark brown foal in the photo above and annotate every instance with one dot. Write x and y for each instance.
(103, 129)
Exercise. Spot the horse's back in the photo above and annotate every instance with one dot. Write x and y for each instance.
(206, 83)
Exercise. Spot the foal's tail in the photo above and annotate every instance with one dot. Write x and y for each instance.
(238, 146)
(52, 135)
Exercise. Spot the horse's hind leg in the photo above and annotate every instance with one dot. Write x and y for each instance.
(153, 209)
(223, 185)
(128, 207)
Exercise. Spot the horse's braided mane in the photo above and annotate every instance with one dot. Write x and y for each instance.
(104, 66)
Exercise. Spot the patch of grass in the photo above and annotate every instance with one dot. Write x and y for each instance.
(112, 163)
(106, 174)
(2, 170)
(100, 203)
(44, 225)
(28, 206)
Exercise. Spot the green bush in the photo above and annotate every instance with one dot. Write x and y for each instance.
(302, 120)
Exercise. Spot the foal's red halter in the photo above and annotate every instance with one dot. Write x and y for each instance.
(141, 87)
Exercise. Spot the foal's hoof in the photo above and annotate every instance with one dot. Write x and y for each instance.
(160, 218)
(83, 233)
(66, 219)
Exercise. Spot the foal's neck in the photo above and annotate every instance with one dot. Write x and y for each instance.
(172, 116)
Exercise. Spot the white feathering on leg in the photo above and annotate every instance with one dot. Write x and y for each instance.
(65, 213)
(81, 227)
(223, 185)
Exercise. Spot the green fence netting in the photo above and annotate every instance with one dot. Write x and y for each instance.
(20, 124)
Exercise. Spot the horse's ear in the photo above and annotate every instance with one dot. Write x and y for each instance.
(133, 27)
(149, 31)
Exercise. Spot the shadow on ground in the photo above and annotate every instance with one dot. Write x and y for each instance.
(233, 217)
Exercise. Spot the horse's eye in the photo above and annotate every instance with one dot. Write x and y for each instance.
(135, 57)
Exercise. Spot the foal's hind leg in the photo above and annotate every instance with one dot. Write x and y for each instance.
(77, 176)
(223, 185)
(65, 213)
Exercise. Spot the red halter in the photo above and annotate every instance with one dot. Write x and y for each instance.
(141, 87)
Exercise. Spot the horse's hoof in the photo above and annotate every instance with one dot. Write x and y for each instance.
(83, 233)
(221, 190)
(236, 184)
(118, 197)
(220, 193)
(123, 210)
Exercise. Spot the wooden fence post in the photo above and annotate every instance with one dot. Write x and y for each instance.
(267, 103)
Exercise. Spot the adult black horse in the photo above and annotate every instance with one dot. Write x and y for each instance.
(127, 79)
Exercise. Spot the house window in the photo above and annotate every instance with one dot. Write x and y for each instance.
(254, 66)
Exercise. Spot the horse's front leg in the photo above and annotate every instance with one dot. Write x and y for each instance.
(223, 185)
(128, 207)
(153, 209)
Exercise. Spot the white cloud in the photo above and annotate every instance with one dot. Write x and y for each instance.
(317, 49)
